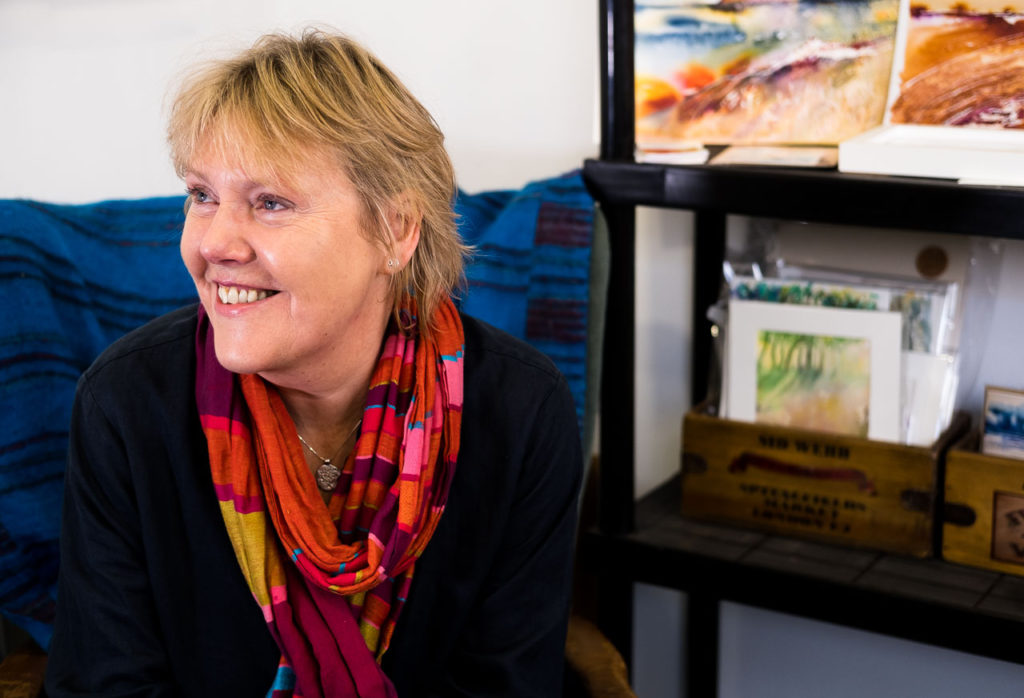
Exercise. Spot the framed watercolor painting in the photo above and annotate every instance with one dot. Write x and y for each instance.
(829, 369)
(761, 72)
(956, 97)
(962, 65)
(1004, 422)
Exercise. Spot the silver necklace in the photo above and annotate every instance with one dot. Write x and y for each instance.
(327, 473)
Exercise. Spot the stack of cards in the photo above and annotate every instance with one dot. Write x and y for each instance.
(840, 352)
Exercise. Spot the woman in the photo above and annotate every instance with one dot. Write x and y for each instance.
(322, 480)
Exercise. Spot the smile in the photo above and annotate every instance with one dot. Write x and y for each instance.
(232, 295)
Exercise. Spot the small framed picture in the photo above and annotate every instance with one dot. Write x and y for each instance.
(1004, 422)
(1008, 527)
(829, 369)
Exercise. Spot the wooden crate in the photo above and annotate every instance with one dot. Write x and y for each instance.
(983, 520)
(812, 484)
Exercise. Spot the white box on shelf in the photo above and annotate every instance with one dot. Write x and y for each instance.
(970, 155)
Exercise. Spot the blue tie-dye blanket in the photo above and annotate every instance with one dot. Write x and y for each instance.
(75, 278)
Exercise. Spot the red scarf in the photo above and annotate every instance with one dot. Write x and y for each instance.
(332, 609)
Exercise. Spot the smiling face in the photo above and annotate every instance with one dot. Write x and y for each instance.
(294, 287)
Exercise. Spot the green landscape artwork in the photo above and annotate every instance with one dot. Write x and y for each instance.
(814, 382)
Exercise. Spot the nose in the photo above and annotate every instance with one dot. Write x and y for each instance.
(225, 239)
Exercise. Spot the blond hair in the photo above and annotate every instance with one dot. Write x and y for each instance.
(287, 97)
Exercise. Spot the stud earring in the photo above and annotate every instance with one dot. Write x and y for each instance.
(392, 262)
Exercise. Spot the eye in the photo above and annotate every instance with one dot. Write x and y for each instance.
(199, 196)
(271, 203)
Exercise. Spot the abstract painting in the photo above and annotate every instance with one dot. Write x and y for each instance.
(814, 381)
(767, 71)
(963, 65)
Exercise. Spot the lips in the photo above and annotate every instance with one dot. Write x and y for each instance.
(236, 295)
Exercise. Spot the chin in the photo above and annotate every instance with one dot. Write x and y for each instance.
(236, 358)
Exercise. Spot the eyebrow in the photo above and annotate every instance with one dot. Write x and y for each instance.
(245, 180)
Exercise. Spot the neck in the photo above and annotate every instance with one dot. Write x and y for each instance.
(326, 402)
(326, 421)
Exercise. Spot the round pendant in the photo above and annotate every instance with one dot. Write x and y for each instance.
(327, 476)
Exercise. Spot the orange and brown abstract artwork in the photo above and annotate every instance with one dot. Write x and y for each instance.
(963, 66)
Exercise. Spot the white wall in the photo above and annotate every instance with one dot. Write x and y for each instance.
(514, 87)
(769, 655)
(82, 84)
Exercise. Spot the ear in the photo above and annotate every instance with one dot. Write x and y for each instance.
(404, 219)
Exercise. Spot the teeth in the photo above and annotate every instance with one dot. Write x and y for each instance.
(232, 294)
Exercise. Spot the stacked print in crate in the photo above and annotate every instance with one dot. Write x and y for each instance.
(984, 488)
(836, 407)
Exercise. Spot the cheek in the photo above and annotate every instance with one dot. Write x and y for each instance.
(189, 246)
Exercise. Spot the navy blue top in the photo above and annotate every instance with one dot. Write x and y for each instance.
(152, 601)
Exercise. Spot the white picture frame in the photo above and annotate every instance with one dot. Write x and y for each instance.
(882, 329)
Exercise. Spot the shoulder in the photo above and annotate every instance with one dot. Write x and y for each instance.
(159, 355)
(171, 328)
(493, 354)
(514, 397)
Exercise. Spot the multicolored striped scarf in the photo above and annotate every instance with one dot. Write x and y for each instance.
(332, 609)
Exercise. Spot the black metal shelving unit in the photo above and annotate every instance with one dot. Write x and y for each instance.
(929, 601)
